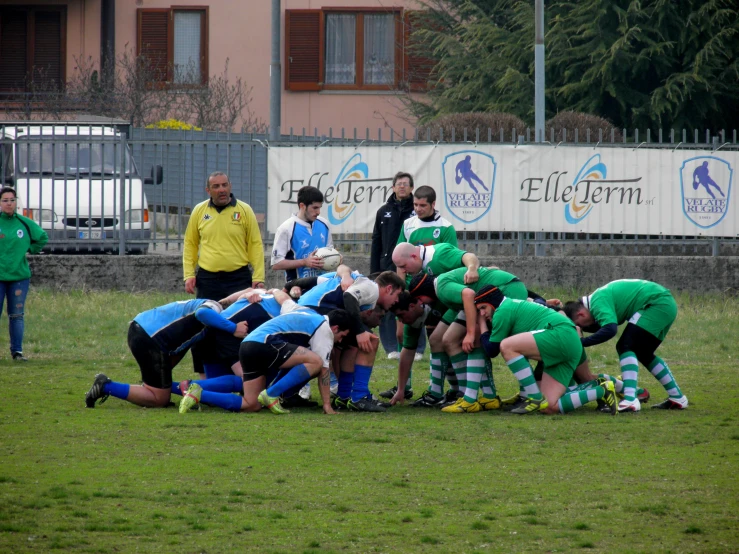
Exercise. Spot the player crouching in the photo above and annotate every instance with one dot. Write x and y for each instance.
(521, 331)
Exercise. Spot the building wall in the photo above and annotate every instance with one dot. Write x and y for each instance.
(240, 31)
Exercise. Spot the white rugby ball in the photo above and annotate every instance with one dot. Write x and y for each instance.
(330, 256)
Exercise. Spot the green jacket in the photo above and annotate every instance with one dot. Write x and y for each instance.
(18, 235)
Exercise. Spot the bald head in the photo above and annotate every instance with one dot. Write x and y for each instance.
(408, 257)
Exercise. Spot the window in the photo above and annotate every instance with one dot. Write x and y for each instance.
(174, 42)
(32, 47)
(342, 49)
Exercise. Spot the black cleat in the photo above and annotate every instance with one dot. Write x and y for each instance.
(297, 401)
(428, 400)
(19, 357)
(366, 404)
(339, 404)
(672, 404)
(451, 397)
(96, 391)
(408, 394)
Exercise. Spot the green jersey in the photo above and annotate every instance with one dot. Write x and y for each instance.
(18, 235)
(449, 286)
(437, 230)
(520, 316)
(617, 301)
(441, 258)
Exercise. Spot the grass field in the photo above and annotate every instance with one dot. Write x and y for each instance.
(121, 478)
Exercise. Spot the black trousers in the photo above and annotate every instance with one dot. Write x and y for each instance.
(215, 285)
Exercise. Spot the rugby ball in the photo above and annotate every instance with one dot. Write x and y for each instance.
(330, 256)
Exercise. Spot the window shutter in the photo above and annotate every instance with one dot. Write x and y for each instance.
(417, 66)
(13, 37)
(303, 49)
(47, 53)
(153, 41)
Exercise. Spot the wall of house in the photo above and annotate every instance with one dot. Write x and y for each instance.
(240, 31)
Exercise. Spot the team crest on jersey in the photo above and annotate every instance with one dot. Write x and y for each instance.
(19, 232)
(705, 185)
(237, 216)
(469, 180)
(206, 217)
(437, 233)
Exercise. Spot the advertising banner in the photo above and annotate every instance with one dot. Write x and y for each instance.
(570, 189)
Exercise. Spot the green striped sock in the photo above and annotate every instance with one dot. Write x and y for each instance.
(662, 373)
(475, 371)
(573, 400)
(459, 364)
(521, 370)
(487, 385)
(436, 374)
(629, 374)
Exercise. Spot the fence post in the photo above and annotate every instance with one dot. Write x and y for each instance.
(122, 198)
(715, 247)
(521, 244)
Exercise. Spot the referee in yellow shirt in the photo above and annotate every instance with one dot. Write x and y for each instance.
(222, 239)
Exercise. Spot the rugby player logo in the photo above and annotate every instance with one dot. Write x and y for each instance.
(469, 180)
(705, 185)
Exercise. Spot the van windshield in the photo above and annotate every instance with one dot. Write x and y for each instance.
(92, 159)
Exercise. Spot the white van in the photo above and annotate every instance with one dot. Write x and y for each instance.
(68, 179)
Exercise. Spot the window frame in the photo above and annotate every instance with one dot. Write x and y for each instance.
(204, 42)
(359, 14)
(30, 11)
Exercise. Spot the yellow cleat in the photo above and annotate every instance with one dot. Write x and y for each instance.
(489, 403)
(529, 406)
(461, 406)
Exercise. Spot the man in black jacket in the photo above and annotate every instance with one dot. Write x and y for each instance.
(388, 223)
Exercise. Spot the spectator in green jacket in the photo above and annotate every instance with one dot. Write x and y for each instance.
(18, 235)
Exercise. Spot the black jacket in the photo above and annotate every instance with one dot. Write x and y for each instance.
(388, 223)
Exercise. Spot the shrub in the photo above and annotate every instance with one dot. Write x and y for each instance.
(583, 123)
(472, 121)
(173, 124)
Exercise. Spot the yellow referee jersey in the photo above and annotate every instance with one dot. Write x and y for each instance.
(223, 241)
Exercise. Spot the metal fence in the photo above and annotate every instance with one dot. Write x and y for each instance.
(188, 157)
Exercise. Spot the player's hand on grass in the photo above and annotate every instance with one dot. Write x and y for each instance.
(328, 410)
(471, 276)
(468, 343)
(190, 285)
(242, 328)
(398, 397)
(313, 261)
(364, 341)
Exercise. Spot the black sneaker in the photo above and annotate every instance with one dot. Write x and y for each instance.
(19, 357)
(451, 397)
(297, 401)
(96, 391)
(408, 394)
(428, 400)
(366, 404)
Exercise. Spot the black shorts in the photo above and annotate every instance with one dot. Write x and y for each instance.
(155, 364)
(258, 359)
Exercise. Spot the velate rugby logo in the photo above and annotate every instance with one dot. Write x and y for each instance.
(705, 183)
(469, 180)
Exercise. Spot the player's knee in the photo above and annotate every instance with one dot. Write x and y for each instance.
(506, 349)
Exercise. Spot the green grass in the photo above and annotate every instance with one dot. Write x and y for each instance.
(123, 478)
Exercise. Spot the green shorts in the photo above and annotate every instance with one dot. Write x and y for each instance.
(561, 352)
(658, 317)
(449, 317)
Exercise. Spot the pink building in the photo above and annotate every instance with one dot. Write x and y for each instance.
(344, 62)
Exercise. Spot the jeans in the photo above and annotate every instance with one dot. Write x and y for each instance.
(15, 292)
(388, 336)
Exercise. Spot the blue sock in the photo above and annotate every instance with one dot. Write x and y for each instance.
(216, 370)
(176, 388)
(298, 375)
(227, 401)
(362, 374)
(225, 383)
(119, 390)
(346, 380)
